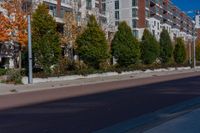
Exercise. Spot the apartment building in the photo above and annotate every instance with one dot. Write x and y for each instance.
(154, 15)
(197, 19)
(197, 24)
(82, 8)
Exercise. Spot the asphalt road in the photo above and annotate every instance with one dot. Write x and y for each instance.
(91, 112)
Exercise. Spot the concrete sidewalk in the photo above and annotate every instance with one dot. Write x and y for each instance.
(188, 123)
(13, 89)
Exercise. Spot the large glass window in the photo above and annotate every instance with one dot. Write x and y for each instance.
(135, 33)
(134, 23)
(117, 15)
(134, 12)
(147, 3)
(116, 23)
(147, 23)
(147, 14)
(103, 8)
(52, 9)
(134, 2)
(89, 4)
(117, 4)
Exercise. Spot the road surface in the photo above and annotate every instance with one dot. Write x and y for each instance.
(89, 112)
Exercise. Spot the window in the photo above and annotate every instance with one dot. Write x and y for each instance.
(89, 4)
(135, 33)
(62, 12)
(147, 13)
(134, 2)
(153, 31)
(147, 23)
(116, 23)
(134, 23)
(147, 3)
(52, 9)
(117, 4)
(117, 15)
(158, 26)
(103, 8)
(134, 12)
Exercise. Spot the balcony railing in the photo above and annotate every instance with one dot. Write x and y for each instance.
(175, 26)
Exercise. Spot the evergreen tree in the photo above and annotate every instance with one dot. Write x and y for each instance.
(92, 46)
(125, 47)
(179, 51)
(166, 47)
(46, 42)
(149, 48)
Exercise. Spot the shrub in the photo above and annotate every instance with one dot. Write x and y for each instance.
(149, 48)
(14, 76)
(166, 47)
(125, 47)
(80, 65)
(2, 71)
(92, 46)
(179, 51)
(105, 65)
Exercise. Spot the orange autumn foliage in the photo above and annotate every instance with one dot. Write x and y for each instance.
(17, 21)
(4, 28)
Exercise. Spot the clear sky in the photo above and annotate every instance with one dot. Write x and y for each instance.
(188, 6)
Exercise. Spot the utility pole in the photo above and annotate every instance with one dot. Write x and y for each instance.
(30, 72)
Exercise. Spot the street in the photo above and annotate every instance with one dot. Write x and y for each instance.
(95, 111)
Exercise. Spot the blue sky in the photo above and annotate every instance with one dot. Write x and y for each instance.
(188, 6)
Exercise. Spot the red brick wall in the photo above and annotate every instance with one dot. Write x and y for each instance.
(198, 34)
(58, 7)
(141, 14)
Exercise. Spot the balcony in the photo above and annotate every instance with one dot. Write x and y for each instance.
(51, 1)
(165, 7)
(166, 16)
(176, 14)
(156, 17)
(153, 11)
(165, 11)
(165, 21)
(153, 3)
(175, 26)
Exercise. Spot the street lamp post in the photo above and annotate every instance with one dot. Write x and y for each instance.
(30, 75)
(190, 52)
(194, 46)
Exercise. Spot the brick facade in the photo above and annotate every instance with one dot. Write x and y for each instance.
(141, 14)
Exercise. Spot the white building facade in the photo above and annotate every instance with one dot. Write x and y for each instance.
(154, 15)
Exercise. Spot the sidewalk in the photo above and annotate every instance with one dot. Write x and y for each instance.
(13, 89)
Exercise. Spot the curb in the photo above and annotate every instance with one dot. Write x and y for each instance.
(74, 77)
